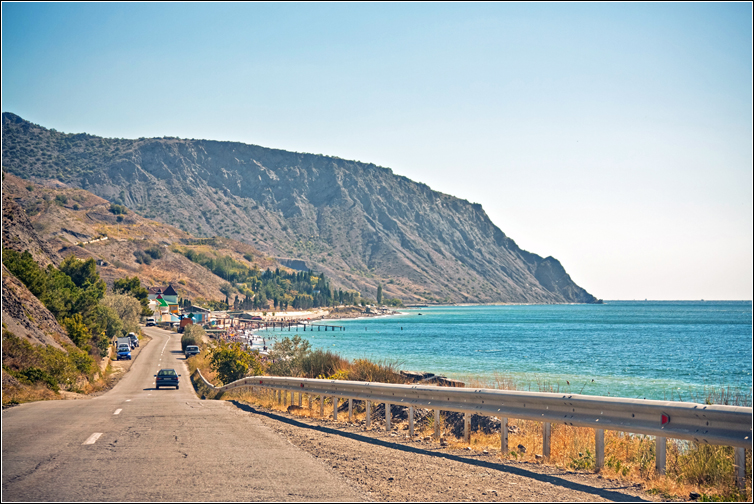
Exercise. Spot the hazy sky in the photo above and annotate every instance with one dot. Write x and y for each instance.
(614, 137)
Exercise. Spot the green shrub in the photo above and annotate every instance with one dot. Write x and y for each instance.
(142, 258)
(288, 355)
(55, 367)
(232, 362)
(33, 375)
(154, 252)
(193, 334)
(322, 363)
(118, 209)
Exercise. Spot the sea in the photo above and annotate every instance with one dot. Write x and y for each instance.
(666, 350)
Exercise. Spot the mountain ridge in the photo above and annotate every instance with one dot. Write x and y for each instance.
(358, 222)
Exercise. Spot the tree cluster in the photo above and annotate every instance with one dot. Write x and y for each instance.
(299, 290)
(75, 295)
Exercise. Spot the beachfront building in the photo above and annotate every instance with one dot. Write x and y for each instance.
(198, 314)
(165, 311)
(168, 293)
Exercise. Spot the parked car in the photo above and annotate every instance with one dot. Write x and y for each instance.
(151, 322)
(166, 378)
(134, 339)
(191, 350)
(124, 341)
(124, 352)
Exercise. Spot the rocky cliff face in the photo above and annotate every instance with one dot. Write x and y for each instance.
(358, 222)
(19, 234)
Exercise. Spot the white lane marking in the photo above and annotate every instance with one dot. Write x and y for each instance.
(164, 346)
(93, 438)
(117, 412)
(128, 400)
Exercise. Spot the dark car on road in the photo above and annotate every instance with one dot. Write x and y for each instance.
(134, 339)
(167, 378)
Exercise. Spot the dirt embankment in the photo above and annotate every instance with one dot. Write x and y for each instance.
(388, 466)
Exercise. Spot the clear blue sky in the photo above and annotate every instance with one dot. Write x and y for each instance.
(614, 137)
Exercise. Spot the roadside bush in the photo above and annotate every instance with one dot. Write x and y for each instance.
(232, 362)
(382, 371)
(320, 362)
(33, 375)
(46, 364)
(288, 355)
(193, 334)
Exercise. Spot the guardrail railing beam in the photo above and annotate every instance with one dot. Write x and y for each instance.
(699, 423)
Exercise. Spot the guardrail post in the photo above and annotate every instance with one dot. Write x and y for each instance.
(546, 440)
(350, 410)
(300, 398)
(660, 454)
(321, 406)
(411, 421)
(309, 398)
(369, 414)
(335, 408)
(285, 398)
(438, 432)
(387, 417)
(599, 448)
(466, 427)
(740, 461)
(504, 436)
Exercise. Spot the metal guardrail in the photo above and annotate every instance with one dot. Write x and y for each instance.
(706, 424)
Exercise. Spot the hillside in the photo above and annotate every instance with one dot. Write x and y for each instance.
(53, 221)
(359, 223)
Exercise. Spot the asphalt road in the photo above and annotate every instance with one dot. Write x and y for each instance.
(154, 445)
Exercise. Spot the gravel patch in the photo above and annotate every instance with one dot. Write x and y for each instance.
(387, 466)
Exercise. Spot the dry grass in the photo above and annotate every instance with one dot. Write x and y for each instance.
(19, 394)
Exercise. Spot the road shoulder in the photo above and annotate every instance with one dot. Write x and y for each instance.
(389, 467)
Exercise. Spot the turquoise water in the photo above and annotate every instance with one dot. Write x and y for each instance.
(653, 350)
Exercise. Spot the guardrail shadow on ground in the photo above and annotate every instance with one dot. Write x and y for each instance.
(611, 495)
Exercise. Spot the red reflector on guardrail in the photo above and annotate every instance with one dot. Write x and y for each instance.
(664, 419)
(302, 385)
(260, 382)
